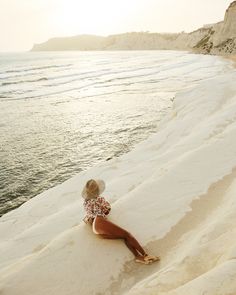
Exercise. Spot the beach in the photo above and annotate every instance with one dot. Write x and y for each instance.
(174, 191)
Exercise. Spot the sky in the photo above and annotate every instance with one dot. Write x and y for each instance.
(25, 22)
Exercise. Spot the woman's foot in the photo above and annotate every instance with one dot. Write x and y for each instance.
(141, 259)
(151, 258)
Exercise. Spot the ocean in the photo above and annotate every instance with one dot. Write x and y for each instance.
(63, 112)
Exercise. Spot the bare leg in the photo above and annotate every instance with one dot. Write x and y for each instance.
(109, 230)
(132, 249)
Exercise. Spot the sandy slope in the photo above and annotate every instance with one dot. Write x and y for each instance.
(175, 192)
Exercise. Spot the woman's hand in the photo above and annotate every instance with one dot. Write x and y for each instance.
(88, 220)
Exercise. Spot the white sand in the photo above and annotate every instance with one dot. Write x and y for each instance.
(175, 192)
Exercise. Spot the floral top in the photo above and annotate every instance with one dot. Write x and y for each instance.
(94, 207)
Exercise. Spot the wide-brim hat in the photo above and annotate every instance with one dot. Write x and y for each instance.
(101, 186)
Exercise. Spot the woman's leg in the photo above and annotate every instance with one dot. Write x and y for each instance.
(132, 249)
(109, 230)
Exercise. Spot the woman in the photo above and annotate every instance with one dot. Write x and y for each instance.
(97, 208)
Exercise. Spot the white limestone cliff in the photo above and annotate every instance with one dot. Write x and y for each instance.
(221, 39)
(175, 192)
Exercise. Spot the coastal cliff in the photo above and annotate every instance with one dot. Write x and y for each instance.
(219, 38)
(126, 41)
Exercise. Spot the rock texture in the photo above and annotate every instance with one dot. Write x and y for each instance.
(219, 38)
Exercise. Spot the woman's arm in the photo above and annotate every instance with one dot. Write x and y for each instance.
(106, 207)
(89, 208)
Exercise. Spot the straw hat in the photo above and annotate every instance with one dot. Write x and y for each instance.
(93, 188)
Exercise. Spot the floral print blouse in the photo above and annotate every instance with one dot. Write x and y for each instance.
(94, 207)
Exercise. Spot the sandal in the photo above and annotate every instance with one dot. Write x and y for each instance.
(142, 261)
(151, 258)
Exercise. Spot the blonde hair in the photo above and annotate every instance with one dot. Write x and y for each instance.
(92, 189)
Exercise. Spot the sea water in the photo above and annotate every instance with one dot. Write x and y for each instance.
(63, 112)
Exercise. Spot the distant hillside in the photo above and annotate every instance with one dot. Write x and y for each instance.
(219, 38)
(126, 41)
(81, 42)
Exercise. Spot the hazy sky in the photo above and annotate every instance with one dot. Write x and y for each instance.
(25, 22)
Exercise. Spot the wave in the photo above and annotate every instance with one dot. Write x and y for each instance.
(84, 76)
(42, 96)
(24, 81)
(108, 75)
(36, 68)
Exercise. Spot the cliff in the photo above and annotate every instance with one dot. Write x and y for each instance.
(219, 38)
(126, 41)
(175, 192)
